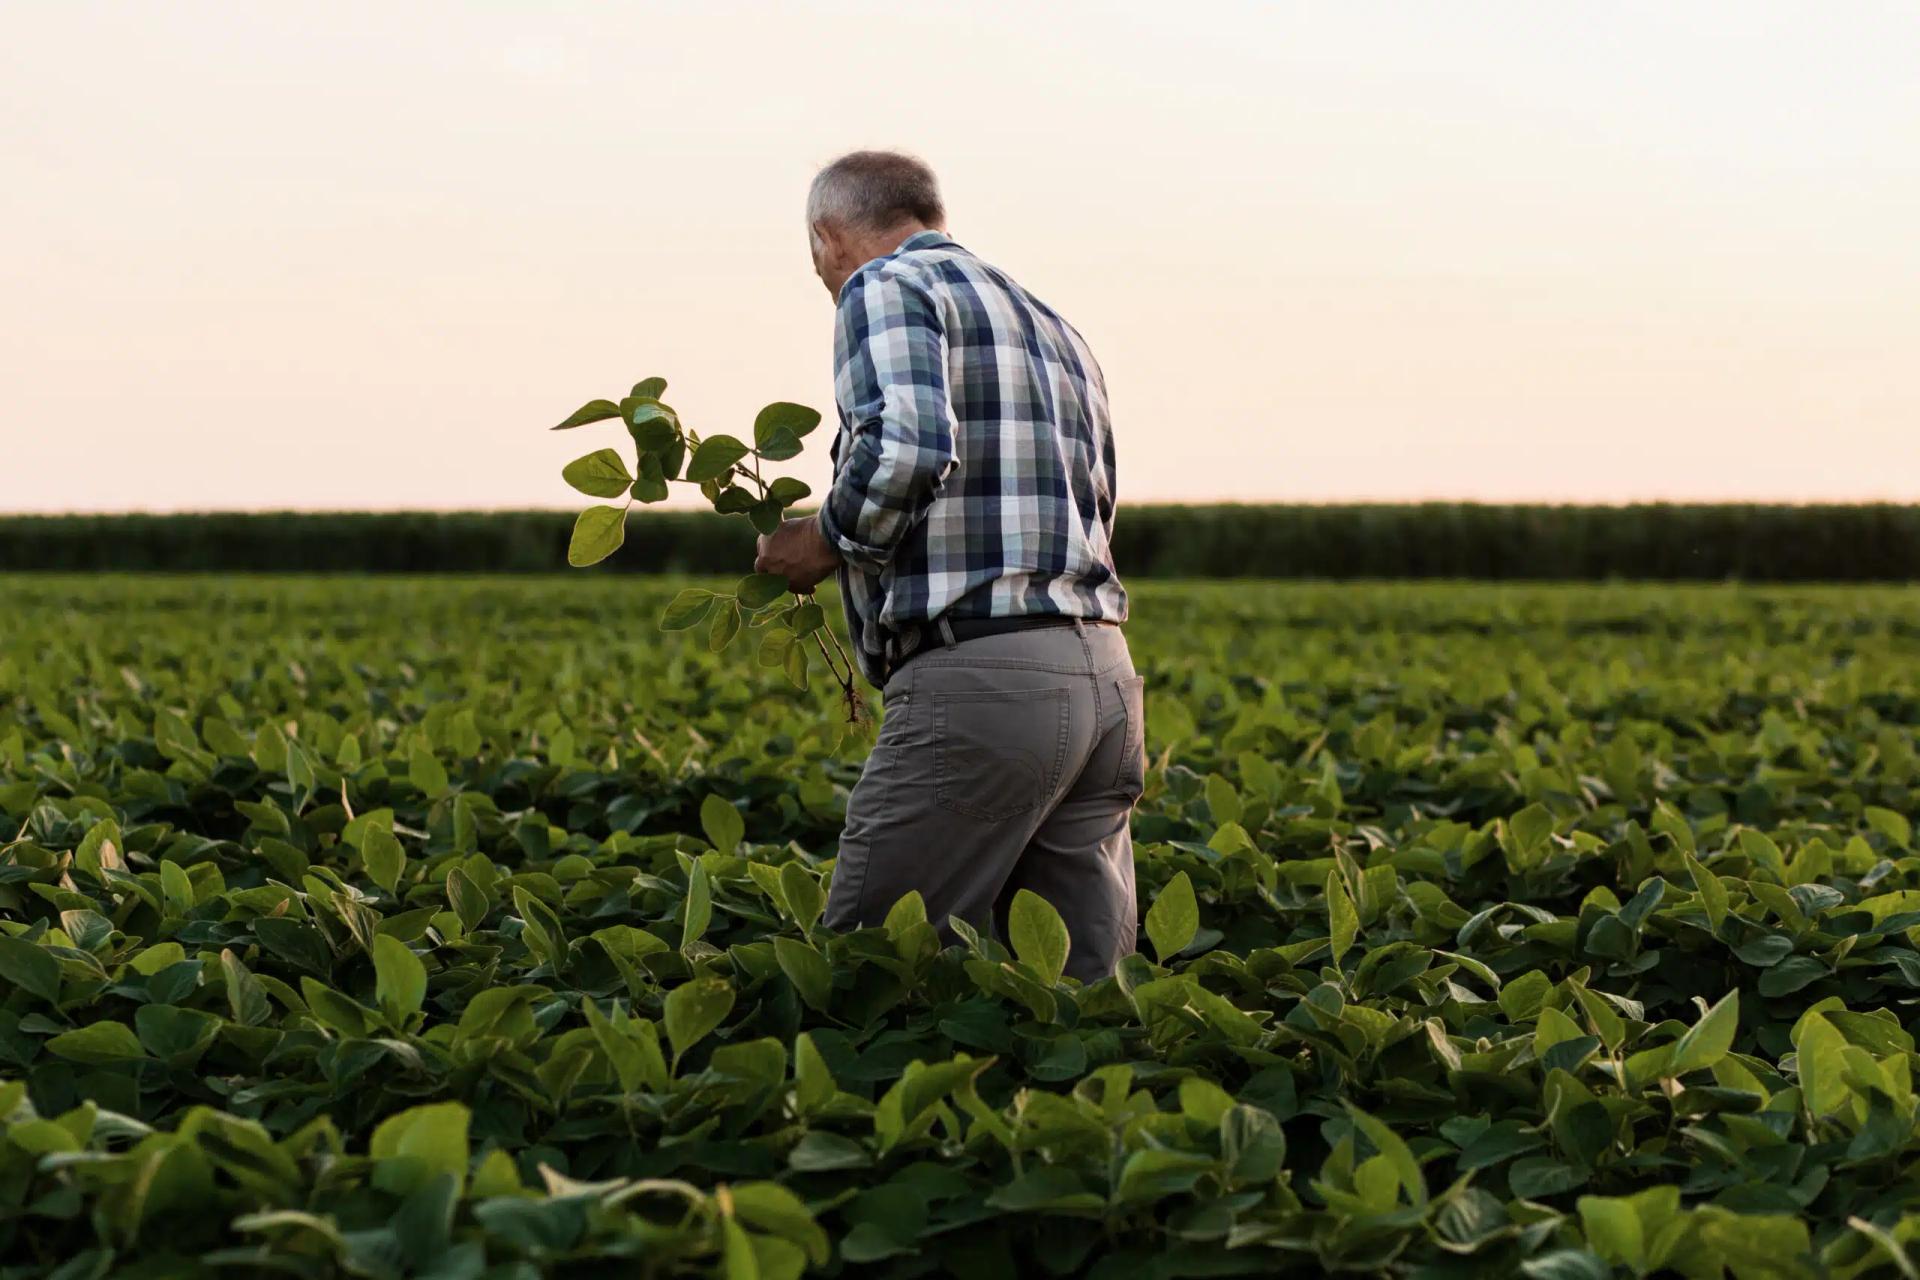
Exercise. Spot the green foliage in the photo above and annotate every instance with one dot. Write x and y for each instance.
(1038, 935)
(727, 471)
(1699, 543)
(1173, 919)
(1540, 932)
(600, 474)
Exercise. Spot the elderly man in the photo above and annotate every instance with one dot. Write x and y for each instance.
(969, 520)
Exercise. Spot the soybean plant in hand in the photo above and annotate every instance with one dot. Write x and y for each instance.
(727, 472)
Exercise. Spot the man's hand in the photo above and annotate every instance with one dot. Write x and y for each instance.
(798, 552)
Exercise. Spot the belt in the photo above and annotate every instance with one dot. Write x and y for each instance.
(916, 638)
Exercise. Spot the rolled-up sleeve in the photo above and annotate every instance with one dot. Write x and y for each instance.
(900, 445)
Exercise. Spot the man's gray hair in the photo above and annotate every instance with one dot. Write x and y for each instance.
(875, 191)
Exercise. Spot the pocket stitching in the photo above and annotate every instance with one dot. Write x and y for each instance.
(943, 793)
(1135, 741)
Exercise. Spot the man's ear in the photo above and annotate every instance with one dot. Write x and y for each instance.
(829, 237)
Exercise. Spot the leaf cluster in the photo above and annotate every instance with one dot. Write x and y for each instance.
(725, 469)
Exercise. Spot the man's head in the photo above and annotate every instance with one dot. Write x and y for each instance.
(863, 205)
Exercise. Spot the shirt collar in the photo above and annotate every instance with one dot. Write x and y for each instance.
(918, 240)
(923, 240)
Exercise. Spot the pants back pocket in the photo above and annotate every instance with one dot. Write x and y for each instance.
(998, 753)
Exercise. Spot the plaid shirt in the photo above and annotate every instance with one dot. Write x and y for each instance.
(973, 468)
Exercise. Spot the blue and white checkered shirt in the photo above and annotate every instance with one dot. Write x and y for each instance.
(973, 468)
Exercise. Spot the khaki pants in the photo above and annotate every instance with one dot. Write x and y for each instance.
(1004, 763)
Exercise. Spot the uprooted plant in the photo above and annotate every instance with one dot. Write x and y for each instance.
(727, 472)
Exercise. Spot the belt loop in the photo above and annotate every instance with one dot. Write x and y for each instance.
(1080, 628)
(946, 632)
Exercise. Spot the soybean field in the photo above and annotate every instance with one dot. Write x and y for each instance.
(462, 928)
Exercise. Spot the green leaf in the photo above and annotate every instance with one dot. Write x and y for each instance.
(1613, 1229)
(1521, 998)
(30, 967)
(908, 910)
(99, 1042)
(1252, 1145)
(779, 446)
(766, 516)
(1551, 1028)
(600, 474)
(400, 980)
(246, 998)
(332, 1009)
(591, 411)
(725, 626)
(807, 619)
(1562, 1264)
(651, 484)
(1607, 1024)
(919, 1089)
(813, 1081)
(1894, 826)
(543, 931)
(821, 1152)
(758, 590)
(773, 647)
(380, 852)
(787, 491)
(714, 458)
(1398, 1154)
(1174, 918)
(772, 1208)
(672, 458)
(1764, 853)
(1038, 934)
(1223, 800)
(655, 427)
(807, 969)
(699, 906)
(1820, 1055)
(1527, 836)
(721, 821)
(796, 665)
(802, 892)
(1713, 894)
(1343, 922)
(597, 534)
(468, 900)
(650, 388)
(1758, 1246)
(1790, 975)
(781, 415)
(300, 945)
(174, 1035)
(1708, 1040)
(1204, 1101)
(176, 890)
(300, 775)
(419, 1144)
(1154, 1174)
(687, 609)
(694, 1009)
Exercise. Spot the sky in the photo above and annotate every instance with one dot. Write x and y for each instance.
(359, 255)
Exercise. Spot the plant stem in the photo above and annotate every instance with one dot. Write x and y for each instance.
(848, 694)
(844, 659)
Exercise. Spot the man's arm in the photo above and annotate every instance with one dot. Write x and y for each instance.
(901, 447)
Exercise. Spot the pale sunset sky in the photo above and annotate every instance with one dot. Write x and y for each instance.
(359, 255)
